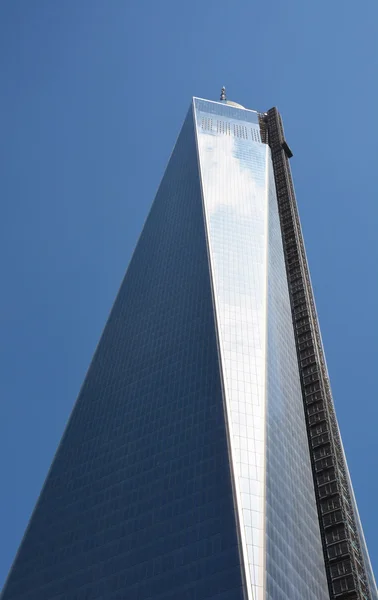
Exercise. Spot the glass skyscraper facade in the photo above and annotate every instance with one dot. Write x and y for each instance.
(202, 459)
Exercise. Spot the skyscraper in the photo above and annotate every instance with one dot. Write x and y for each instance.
(203, 458)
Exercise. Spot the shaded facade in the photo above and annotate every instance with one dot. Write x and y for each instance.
(192, 466)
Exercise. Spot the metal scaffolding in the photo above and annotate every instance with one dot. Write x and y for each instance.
(342, 546)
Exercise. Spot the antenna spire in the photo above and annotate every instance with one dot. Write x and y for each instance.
(223, 94)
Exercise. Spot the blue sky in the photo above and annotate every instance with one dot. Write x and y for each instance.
(93, 95)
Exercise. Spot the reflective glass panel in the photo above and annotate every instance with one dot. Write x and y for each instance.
(274, 491)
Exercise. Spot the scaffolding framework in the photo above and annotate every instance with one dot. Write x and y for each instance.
(344, 560)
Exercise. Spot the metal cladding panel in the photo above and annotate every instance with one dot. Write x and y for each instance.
(138, 503)
(274, 491)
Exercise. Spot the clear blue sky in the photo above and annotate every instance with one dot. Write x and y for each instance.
(93, 93)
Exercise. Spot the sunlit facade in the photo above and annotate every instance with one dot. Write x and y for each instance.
(270, 462)
(202, 459)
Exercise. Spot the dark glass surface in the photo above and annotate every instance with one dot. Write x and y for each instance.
(138, 503)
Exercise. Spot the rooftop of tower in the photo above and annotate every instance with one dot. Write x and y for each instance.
(234, 104)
